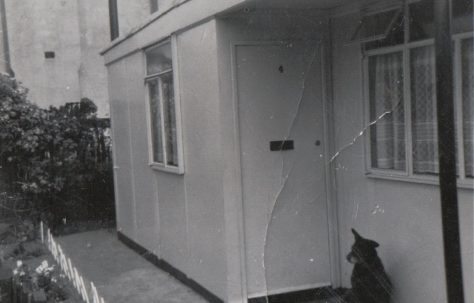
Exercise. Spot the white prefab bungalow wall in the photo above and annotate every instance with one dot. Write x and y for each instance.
(180, 218)
(194, 221)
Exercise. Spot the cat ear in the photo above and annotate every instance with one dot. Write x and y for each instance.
(373, 243)
(356, 234)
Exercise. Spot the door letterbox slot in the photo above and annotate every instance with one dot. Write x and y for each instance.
(281, 145)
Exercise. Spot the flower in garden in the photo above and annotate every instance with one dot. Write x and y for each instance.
(42, 267)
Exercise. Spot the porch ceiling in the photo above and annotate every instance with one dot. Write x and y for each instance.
(300, 4)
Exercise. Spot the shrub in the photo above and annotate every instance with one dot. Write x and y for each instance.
(56, 157)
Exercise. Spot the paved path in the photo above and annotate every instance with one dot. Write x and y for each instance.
(120, 274)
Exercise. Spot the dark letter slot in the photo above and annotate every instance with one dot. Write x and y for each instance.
(281, 145)
(49, 55)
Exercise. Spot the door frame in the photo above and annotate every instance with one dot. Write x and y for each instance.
(329, 175)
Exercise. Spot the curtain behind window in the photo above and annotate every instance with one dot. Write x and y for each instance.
(423, 100)
(386, 106)
(468, 104)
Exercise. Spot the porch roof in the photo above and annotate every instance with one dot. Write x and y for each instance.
(186, 13)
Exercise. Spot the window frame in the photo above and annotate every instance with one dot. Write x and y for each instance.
(179, 169)
(397, 9)
(408, 174)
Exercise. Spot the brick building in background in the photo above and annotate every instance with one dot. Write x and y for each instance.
(52, 46)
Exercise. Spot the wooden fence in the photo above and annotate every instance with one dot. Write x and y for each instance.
(88, 291)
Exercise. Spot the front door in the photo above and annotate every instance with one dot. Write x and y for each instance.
(283, 167)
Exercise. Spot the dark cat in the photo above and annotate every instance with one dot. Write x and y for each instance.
(370, 283)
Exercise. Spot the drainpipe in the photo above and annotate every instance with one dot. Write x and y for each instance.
(6, 44)
(113, 19)
(447, 152)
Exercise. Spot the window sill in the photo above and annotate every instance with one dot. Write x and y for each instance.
(464, 184)
(167, 169)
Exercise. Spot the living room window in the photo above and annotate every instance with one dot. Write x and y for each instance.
(163, 107)
(401, 92)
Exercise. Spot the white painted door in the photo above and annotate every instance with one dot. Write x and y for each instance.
(284, 192)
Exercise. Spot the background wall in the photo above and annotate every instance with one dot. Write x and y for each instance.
(405, 218)
(76, 31)
(35, 27)
(94, 31)
(164, 5)
(131, 14)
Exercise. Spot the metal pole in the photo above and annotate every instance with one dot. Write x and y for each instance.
(6, 42)
(447, 152)
(114, 22)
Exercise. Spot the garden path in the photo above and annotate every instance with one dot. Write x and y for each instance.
(120, 274)
(123, 276)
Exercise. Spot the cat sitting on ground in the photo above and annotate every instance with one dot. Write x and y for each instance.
(370, 283)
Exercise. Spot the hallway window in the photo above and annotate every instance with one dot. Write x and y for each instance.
(163, 107)
(401, 93)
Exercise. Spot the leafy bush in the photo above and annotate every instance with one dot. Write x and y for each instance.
(57, 157)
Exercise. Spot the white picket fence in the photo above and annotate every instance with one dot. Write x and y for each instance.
(71, 272)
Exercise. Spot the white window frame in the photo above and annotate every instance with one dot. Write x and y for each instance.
(408, 174)
(179, 169)
(398, 9)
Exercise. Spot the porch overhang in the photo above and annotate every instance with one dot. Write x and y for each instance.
(300, 4)
(187, 13)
